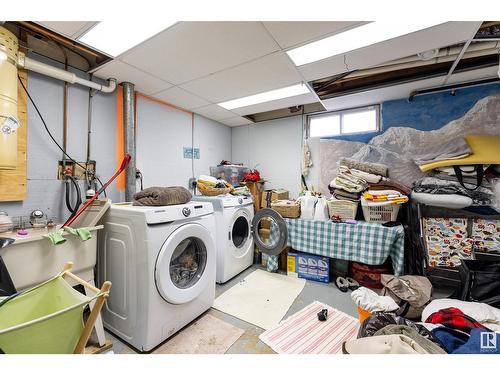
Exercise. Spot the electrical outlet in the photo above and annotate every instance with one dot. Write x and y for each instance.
(68, 167)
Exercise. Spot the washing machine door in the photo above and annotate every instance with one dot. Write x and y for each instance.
(269, 231)
(184, 264)
(240, 233)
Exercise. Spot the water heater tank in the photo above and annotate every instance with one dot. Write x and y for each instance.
(8, 99)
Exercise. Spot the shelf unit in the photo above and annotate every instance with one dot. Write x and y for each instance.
(442, 277)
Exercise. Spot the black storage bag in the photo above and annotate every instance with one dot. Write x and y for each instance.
(480, 281)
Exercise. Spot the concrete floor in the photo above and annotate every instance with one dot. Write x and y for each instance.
(249, 342)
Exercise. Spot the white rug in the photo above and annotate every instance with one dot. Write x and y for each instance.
(207, 335)
(303, 333)
(262, 298)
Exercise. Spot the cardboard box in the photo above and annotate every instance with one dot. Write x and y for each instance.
(273, 195)
(308, 266)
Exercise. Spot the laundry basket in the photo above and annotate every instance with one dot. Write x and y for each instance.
(48, 318)
(379, 212)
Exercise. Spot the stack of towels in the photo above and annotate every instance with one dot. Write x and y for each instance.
(350, 183)
(389, 196)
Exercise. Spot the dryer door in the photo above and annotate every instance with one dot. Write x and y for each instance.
(240, 233)
(184, 264)
(269, 231)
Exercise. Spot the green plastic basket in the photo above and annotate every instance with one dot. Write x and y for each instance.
(47, 318)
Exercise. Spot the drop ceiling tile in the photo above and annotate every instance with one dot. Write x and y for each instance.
(214, 112)
(236, 121)
(71, 29)
(191, 50)
(144, 82)
(276, 104)
(267, 73)
(293, 33)
(442, 35)
(181, 98)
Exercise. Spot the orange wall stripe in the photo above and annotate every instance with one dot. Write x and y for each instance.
(162, 102)
(120, 137)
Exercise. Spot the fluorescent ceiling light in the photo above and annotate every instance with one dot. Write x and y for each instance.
(358, 37)
(267, 96)
(116, 37)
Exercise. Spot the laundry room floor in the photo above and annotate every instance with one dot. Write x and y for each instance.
(249, 342)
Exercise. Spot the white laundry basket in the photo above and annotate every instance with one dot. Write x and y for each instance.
(379, 212)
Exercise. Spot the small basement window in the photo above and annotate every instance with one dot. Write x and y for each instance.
(351, 121)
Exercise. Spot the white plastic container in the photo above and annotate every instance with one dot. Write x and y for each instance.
(321, 209)
(307, 203)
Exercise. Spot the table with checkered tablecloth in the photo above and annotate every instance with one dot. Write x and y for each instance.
(364, 242)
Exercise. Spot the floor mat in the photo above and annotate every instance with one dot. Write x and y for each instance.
(262, 298)
(303, 333)
(207, 335)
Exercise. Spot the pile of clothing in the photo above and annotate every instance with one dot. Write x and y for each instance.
(462, 327)
(463, 172)
(441, 188)
(448, 326)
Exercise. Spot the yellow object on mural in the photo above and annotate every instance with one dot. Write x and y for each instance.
(485, 150)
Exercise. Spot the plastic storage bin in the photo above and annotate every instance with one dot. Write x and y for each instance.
(229, 173)
(379, 212)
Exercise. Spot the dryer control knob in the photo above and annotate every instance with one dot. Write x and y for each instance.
(186, 211)
(240, 201)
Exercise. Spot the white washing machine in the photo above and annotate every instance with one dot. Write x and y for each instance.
(234, 240)
(161, 261)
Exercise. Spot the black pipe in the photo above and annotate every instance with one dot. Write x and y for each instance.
(452, 87)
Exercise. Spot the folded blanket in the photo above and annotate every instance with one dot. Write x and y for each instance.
(453, 149)
(342, 194)
(391, 185)
(162, 196)
(432, 185)
(378, 169)
(342, 183)
(367, 177)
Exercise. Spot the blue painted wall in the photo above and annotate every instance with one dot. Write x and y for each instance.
(427, 112)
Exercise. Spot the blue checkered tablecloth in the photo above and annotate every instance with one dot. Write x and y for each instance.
(368, 243)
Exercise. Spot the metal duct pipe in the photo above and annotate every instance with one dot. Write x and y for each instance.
(8, 99)
(63, 75)
(129, 138)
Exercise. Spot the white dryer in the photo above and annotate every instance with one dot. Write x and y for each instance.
(234, 240)
(161, 262)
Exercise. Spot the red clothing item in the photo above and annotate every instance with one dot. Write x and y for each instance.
(454, 318)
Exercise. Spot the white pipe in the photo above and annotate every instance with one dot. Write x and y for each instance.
(410, 63)
(63, 75)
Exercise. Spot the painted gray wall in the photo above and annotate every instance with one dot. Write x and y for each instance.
(44, 191)
(163, 132)
(274, 148)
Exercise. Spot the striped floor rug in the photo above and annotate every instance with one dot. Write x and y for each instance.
(303, 333)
